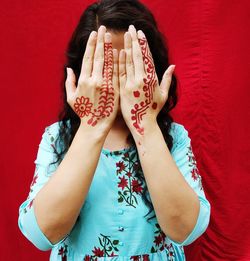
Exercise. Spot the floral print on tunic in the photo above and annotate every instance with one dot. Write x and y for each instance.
(63, 250)
(107, 248)
(129, 186)
(193, 164)
(160, 243)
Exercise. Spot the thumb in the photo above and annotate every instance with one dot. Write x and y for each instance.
(166, 80)
(70, 83)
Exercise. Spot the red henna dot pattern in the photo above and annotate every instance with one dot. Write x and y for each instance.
(149, 81)
(136, 94)
(154, 106)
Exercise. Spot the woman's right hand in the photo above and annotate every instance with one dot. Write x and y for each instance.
(96, 97)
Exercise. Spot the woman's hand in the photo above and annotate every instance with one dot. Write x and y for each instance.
(141, 96)
(95, 99)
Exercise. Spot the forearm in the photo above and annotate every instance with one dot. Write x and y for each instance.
(176, 204)
(58, 203)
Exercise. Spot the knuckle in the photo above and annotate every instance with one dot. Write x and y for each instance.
(138, 56)
(69, 100)
(99, 58)
(82, 81)
(99, 82)
(140, 82)
(67, 83)
(122, 74)
(115, 74)
(87, 58)
(93, 82)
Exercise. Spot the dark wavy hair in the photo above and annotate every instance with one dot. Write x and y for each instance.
(116, 15)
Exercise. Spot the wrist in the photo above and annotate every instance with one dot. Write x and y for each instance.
(92, 133)
(149, 130)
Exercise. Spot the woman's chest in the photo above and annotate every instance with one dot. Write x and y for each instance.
(118, 182)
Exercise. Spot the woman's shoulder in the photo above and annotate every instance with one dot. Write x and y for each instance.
(177, 129)
(53, 128)
(51, 135)
(179, 134)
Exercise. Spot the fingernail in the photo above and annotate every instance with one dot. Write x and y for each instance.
(131, 27)
(102, 27)
(126, 35)
(93, 34)
(141, 34)
(67, 69)
(172, 68)
(107, 38)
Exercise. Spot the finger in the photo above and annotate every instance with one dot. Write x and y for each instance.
(99, 54)
(108, 59)
(70, 83)
(166, 80)
(147, 56)
(87, 61)
(137, 53)
(115, 69)
(122, 68)
(129, 59)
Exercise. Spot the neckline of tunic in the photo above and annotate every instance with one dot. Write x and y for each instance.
(118, 152)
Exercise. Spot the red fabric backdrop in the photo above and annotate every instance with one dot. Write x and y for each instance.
(209, 43)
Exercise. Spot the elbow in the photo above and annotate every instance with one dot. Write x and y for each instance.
(181, 225)
(33, 235)
(180, 232)
(29, 227)
(185, 233)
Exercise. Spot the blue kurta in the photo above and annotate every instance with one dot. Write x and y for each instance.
(112, 223)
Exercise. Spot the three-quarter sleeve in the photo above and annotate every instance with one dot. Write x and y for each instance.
(43, 171)
(185, 160)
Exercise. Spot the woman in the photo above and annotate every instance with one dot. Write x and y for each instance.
(115, 177)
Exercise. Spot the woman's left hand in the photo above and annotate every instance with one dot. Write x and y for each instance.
(141, 95)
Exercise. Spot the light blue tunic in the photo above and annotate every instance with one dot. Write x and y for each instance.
(111, 224)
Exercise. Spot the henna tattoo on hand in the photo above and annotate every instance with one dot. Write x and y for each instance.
(136, 94)
(83, 106)
(149, 86)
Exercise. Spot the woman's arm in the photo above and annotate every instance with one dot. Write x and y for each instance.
(176, 204)
(57, 205)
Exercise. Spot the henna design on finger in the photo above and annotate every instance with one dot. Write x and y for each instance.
(83, 106)
(149, 81)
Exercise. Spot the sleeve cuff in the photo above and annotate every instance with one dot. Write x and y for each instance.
(201, 224)
(33, 233)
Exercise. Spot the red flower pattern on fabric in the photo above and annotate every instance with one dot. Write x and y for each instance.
(129, 183)
(87, 258)
(136, 187)
(106, 248)
(120, 165)
(98, 252)
(144, 257)
(34, 180)
(161, 244)
(193, 164)
(31, 203)
(63, 250)
(123, 182)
